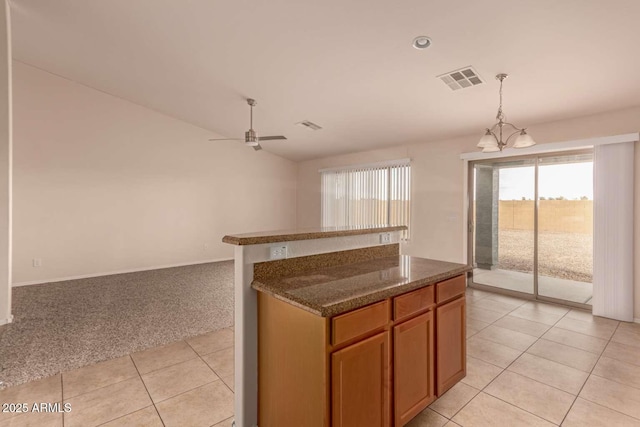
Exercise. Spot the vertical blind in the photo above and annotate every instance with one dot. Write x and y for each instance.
(367, 196)
(613, 231)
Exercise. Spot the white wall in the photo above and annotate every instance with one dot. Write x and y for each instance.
(438, 230)
(104, 185)
(5, 163)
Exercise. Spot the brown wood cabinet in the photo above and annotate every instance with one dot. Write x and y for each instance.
(413, 367)
(451, 365)
(376, 366)
(360, 384)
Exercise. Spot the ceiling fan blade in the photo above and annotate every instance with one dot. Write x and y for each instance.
(257, 147)
(271, 138)
(227, 139)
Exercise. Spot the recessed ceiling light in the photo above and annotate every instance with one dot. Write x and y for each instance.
(421, 42)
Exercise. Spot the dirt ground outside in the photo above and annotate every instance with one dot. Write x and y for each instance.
(562, 255)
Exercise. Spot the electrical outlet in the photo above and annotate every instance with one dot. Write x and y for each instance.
(278, 252)
(385, 238)
(37, 262)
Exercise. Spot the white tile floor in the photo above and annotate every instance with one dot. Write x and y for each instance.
(186, 383)
(529, 364)
(536, 364)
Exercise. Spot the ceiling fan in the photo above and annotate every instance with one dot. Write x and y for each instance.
(250, 137)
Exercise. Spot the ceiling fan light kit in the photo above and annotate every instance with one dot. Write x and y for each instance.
(493, 140)
(251, 138)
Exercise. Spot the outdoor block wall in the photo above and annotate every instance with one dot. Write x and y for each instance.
(564, 216)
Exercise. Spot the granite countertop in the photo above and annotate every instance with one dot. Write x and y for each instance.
(304, 234)
(336, 290)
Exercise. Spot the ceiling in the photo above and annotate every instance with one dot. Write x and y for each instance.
(346, 65)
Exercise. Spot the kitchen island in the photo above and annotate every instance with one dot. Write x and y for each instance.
(350, 332)
(370, 343)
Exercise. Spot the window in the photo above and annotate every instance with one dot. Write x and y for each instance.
(368, 195)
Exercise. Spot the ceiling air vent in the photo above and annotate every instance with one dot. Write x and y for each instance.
(462, 78)
(309, 125)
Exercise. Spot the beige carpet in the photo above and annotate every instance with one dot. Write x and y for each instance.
(66, 325)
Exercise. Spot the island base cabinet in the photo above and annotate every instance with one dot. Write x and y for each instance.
(451, 362)
(374, 366)
(360, 384)
(413, 367)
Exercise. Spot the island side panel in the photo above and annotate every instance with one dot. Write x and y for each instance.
(246, 343)
(292, 365)
(246, 305)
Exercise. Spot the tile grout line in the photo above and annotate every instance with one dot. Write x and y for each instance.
(226, 419)
(169, 366)
(509, 313)
(503, 369)
(612, 380)
(600, 354)
(214, 371)
(496, 310)
(100, 388)
(497, 398)
(549, 385)
(187, 391)
(463, 406)
(191, 347)
(590, 373)
(219, 377)
(580, 333)
(592, 336)
(147, 390)
(609, 409)
(153, 403)
(540, 382)
(122, 416)
(566, 345)
(507, 367)
(517, 407)
(197, 355)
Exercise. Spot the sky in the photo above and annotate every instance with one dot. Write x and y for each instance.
(571, 181)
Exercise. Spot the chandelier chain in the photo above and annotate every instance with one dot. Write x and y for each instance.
(500, 115)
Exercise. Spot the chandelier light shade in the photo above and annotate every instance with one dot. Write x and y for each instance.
(494, 138)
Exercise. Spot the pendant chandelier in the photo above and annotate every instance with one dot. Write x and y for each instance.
(493, 141)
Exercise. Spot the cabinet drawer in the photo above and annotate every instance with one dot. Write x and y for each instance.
(359, 322)
(450, 288)
(413, 302)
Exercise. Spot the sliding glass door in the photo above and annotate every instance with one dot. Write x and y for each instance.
(565, 227)
(531, 226)
(503, 216)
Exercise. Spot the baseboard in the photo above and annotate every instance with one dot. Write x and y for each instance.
(636, 320)
(133, 270)
(5, 321)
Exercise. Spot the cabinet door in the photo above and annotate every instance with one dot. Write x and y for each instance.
(451, 361)
(360, 384)
(413, 361)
